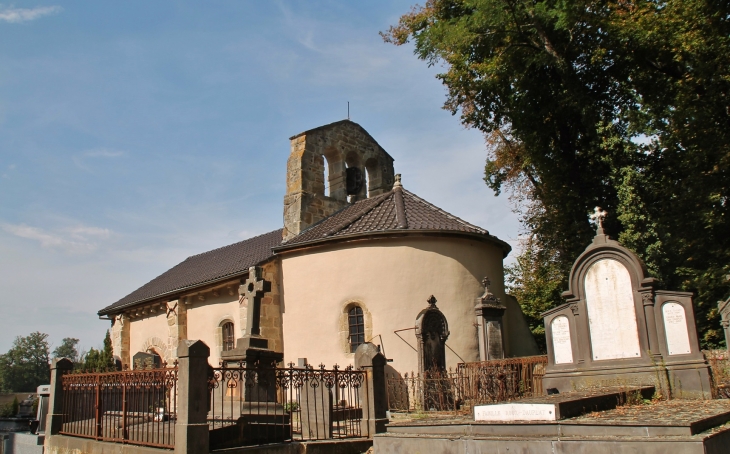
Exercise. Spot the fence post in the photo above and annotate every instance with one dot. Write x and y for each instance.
(375, 401)
(54, 423)
(191, 428)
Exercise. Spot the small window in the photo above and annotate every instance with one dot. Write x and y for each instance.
(357, 328)
(228, 338)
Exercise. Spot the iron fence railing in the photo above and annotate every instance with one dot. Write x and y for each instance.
(720, 372)
(135, 407)
(256, 404)
(470, 384)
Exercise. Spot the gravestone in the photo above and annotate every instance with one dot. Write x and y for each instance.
(432, 330)
(617, 329)
(252, 348)
(490, 311)
(145, 360)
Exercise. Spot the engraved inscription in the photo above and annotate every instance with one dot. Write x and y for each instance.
(562, 348)
(611, 312)
(675, 327)
(515, 412)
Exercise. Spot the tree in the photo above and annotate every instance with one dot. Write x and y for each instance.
(100, 360)
(620, 104)
(67, 349)
(26, 365)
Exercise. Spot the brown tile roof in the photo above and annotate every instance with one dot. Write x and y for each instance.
(208, 267)
(397, 210)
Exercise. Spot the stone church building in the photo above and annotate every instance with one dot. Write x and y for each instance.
(356, 260)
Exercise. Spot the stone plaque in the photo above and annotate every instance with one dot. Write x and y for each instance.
(515, 412)
(562, 347)
(675, 327)
(611, 311)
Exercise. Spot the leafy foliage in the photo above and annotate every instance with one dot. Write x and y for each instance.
(26, 365)
(67, 349)
(100, 360)
(615, 103)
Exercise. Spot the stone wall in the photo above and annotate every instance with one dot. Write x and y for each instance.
(339, 146)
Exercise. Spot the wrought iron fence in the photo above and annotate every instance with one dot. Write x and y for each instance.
(135, 407)
(720, 372)
(470, 384)
(258, 404)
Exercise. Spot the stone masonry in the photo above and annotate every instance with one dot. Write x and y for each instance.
(340, 145)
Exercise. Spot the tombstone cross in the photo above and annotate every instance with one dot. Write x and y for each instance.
(598, 216)
(253, 289)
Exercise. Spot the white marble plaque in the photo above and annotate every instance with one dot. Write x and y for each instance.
(675, 327)
(515, 412)
(611, 311)
(562, 348)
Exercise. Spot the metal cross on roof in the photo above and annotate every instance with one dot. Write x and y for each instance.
(598, 216)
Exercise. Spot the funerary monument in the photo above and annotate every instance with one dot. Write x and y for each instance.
(616, 328)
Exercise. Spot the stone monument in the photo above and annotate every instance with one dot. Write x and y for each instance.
(253, 348)
(432, 330)
(490, 310)
(616, 328)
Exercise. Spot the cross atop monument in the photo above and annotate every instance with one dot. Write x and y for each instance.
(597, 217)
(253, 289)
(431, 301)
(486, 283)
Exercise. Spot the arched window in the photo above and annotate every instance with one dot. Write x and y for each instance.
(229, 339)
(356, 325)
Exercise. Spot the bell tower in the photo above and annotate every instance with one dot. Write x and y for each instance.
(329, 168)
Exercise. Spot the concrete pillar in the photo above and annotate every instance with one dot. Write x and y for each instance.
(374, 396)
(59, 367)
(191, 428)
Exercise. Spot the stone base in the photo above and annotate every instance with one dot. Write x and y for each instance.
(252, 349)
(679, 426)
(687, 380)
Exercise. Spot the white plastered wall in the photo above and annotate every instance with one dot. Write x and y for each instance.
(149, 331)
(392, 278)
(205, 318)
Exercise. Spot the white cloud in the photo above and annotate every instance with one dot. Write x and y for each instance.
(78, 239)
(17, 15)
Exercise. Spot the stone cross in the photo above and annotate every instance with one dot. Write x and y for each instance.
(598, 216)
(253, 289)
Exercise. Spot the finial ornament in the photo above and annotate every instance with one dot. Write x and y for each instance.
(397, 183)
(486, 283)
(597, 217)
(432, 301)
(488, 297)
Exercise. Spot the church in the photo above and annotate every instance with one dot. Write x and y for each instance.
(359, 259)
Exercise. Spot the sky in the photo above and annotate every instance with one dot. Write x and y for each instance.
(135, 134)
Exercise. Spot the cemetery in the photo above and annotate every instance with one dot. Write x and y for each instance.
(623, 373)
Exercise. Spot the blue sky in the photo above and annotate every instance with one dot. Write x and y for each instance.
(135, 134)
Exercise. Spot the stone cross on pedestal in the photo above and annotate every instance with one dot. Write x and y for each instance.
(489, 311)
(252, 347)
(253, 289)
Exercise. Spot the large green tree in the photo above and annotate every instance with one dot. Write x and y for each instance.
(67, 349)
(622, 104)
(26, 365)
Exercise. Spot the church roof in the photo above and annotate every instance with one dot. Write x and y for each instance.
(397, 211)
(206, 268)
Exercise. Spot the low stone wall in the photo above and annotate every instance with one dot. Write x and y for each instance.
(61, 444)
